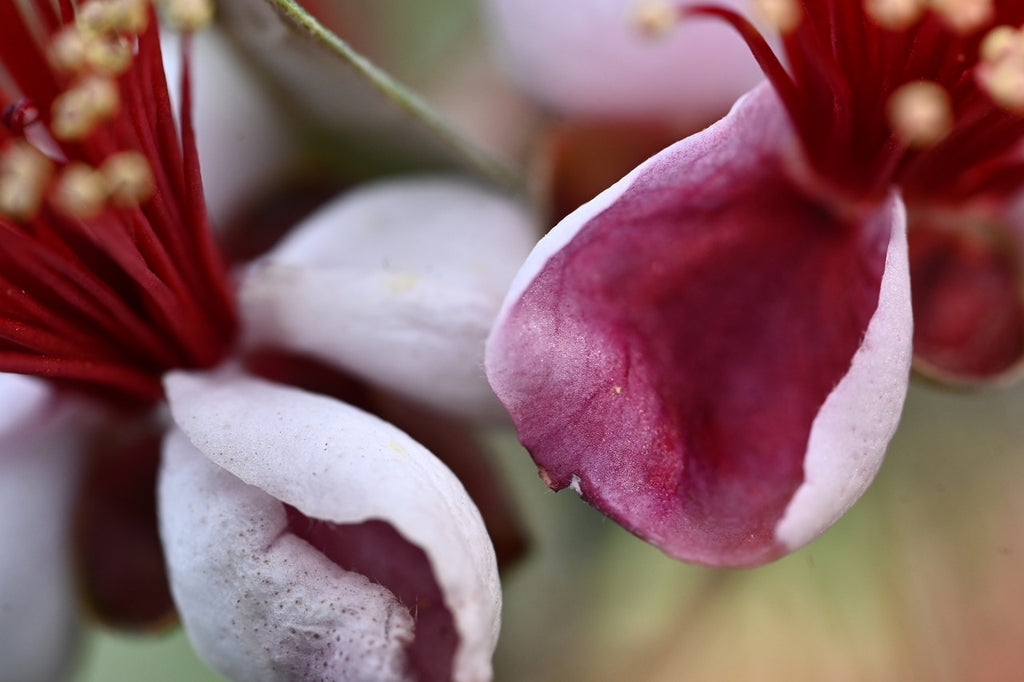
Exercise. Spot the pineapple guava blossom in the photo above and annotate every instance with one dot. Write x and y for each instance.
(715, 351)
(116, 295)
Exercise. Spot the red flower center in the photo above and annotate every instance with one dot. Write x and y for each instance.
(927, 94)
(108, 272)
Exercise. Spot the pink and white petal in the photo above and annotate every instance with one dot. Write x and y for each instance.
(340, 479)
(397, 282)
(670, 349)
(40, 444)
(587, 59)
(244, 140)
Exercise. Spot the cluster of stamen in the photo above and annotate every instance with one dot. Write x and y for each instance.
(108, 272)
(93, 51)
(884, 92)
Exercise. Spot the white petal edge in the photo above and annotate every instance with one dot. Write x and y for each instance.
(397, 282)
(850, 434)
(336, 463)
(41, 443)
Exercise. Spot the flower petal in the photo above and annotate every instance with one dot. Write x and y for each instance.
(588, 60)
(398, 283)
(296, 468)
(699, 347)
(40, 443)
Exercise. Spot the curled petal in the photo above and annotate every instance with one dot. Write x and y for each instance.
(279, 507)
(707, 354)
(398, 283)
(40, 443)
(589, 60)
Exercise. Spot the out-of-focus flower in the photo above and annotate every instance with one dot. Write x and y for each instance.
(593, 60)
(113, 279)
(714, 352)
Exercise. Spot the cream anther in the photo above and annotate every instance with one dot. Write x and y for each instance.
(654, 18)
(130, 16)
(965, 16)
(95, 16)
(80, 191)
(895, 15)
(24, 175)
(999, 43)
(67, 50)
(77, 112)
(920, 114)
(1000, 72)
(108, 55)
(782, 15)
(128, 177)
(188, 15)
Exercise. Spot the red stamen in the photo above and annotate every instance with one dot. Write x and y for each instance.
(843, 68)
(109, 301)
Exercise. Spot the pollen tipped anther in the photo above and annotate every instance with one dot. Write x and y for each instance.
(1000, 72)
(67, 50)
(782, 15)
(128, 178)
(77, 112)
(108, 55)
(188, 15)
(80, 192)
(920, 114)
(24, 176)
(895, 15)
(106, 17)
(965, 16)
(654, 18)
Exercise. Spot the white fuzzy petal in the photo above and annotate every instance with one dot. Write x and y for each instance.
(399, 283)
(258, 602)
(850, 434)
(40, 444)
(331, 462)
(587, 59)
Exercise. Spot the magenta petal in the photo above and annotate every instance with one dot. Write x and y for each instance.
(702, 341)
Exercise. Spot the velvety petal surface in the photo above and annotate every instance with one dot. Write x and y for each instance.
(968, 300)
(276, 505)
(709, 356)
(398, 283)
(40, 443)
(588, 60)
